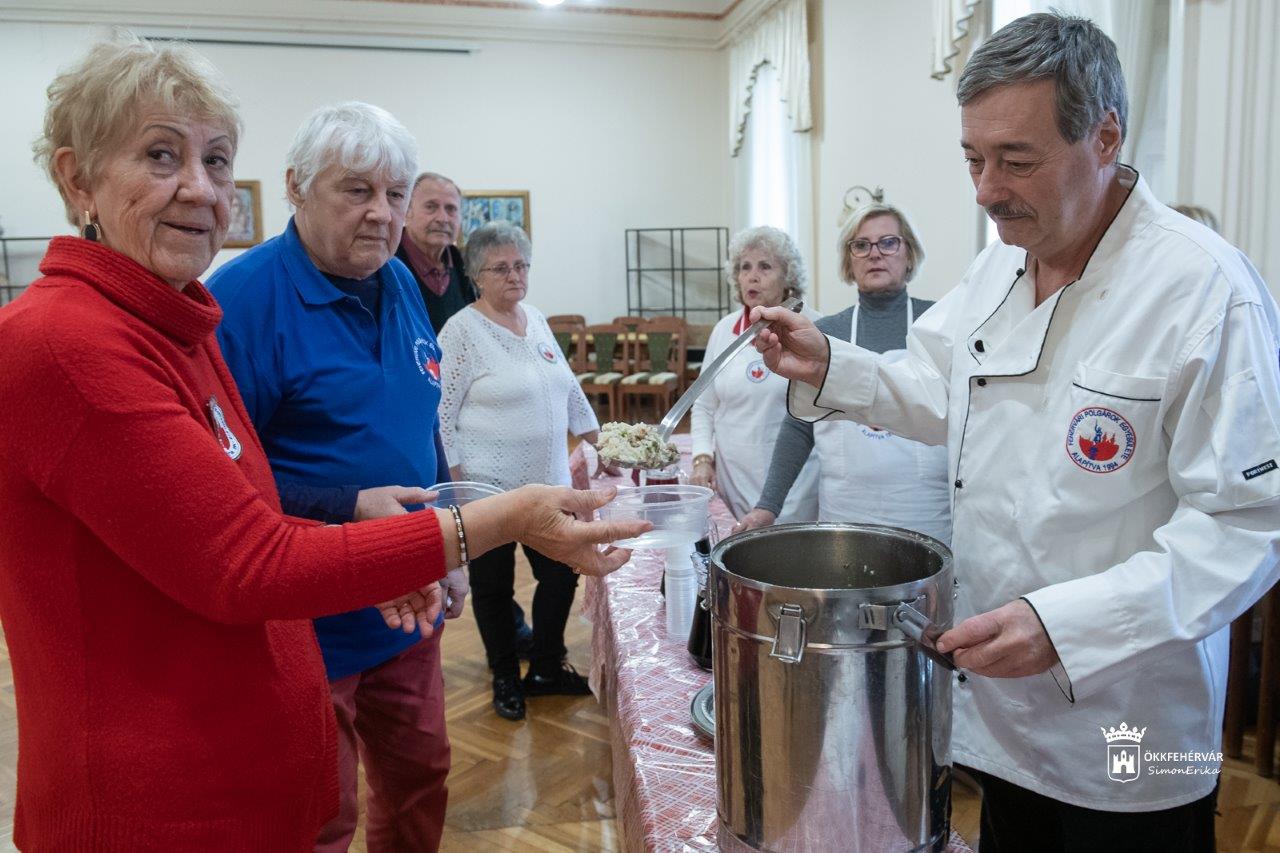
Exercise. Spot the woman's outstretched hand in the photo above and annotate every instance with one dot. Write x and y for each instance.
(418, 609)
(792, 346)
(543, 517)
(552, 525)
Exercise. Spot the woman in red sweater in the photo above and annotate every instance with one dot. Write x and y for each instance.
(177, 699)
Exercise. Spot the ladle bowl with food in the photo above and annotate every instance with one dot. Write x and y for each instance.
(678, 512)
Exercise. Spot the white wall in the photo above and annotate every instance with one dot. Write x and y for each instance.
(880, 120)
(604, 138)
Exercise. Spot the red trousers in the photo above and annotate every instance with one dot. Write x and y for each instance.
(394, 715)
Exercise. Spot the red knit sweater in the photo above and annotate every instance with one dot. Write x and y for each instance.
(161, 705)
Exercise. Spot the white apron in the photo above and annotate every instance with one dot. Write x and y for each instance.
(870, 476)
(746, 405)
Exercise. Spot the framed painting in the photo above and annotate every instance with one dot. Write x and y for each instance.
(483, 206)
(246, 216)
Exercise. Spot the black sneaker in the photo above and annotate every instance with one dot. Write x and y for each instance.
(565, 681)
(524, 641)
(508, 700)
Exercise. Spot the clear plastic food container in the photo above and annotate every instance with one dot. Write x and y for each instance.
(678, 513)
(462, 492)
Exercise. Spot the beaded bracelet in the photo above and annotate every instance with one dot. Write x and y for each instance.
(465, 558)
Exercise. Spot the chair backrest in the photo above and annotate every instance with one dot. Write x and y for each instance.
(632, 324)
(571, 336)
(613, 350)
(568, 318)
(667, 344)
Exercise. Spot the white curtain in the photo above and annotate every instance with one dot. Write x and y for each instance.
(956, 25)
(1131, 25)
(773, 176)
(780, 38)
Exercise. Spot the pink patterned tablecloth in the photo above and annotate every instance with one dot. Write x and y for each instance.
(663, 769)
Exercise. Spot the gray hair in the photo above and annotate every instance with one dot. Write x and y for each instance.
(774, 242)
(915, 250)
(1073, 52)
(439, 179)
(92, 104)
(356, 136)
(495, 235)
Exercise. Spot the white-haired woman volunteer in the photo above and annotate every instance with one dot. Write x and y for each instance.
(736, 420)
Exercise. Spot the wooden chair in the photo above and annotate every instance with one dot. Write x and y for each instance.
(634, 326)
(611, 360)
(568, 318)
(660, 373)
(571, 337)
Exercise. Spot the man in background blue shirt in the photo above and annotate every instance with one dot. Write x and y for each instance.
(331, 346)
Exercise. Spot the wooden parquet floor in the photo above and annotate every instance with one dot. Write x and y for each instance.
(544, 784)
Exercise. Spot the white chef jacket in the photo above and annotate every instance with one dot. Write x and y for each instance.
(1113, 452)
(737, 419)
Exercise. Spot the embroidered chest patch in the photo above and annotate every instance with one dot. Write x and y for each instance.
(547, 351)
(226, 438)
(425, 356)
(1100, 440)
(756, 371)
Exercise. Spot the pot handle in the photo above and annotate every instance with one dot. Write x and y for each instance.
(921, 628)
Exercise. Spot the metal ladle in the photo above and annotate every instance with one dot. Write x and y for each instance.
(667, 427)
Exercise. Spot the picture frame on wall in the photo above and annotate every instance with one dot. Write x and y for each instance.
(246, 216)
(483, 206)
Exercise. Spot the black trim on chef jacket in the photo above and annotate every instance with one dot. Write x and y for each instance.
(964, 431)
(821, 388)
(1115, 396)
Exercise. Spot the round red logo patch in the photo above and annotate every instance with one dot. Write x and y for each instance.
(1100, 440)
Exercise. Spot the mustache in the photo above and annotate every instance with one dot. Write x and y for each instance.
(1006, 210)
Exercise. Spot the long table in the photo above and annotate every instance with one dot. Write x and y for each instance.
(663, 769)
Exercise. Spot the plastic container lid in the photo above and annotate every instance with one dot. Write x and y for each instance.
(461, 492)
(678, 513)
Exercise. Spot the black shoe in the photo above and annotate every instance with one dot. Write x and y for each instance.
(524, 640)
(508, 700)
(565, 681)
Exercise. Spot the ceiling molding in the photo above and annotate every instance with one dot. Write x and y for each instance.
(334, 19)
(627, 11)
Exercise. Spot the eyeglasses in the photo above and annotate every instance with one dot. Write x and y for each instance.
(502, 270)
(886, 245)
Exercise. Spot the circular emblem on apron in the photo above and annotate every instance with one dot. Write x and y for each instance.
(548, 352)
(1100, 440)
(756, 371)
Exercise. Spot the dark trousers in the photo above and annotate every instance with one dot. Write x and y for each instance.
(1016, 820)
(492, 591)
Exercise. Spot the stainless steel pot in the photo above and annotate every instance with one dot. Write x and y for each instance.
(833, 711)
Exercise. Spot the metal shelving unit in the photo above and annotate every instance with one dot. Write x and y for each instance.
(678, 271)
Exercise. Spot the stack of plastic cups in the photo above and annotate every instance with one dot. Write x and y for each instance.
(681, 591)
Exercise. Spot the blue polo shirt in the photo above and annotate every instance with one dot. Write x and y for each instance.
(339, 397)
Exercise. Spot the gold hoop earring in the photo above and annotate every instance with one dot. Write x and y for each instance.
(89, 229)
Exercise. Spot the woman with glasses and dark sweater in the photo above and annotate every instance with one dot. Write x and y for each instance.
(865, 474)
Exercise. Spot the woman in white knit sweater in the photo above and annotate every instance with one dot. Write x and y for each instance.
(509, 402)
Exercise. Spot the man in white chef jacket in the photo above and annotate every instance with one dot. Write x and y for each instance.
(1107, 381)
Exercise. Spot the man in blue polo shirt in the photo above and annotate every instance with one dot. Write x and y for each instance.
(329, 341)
